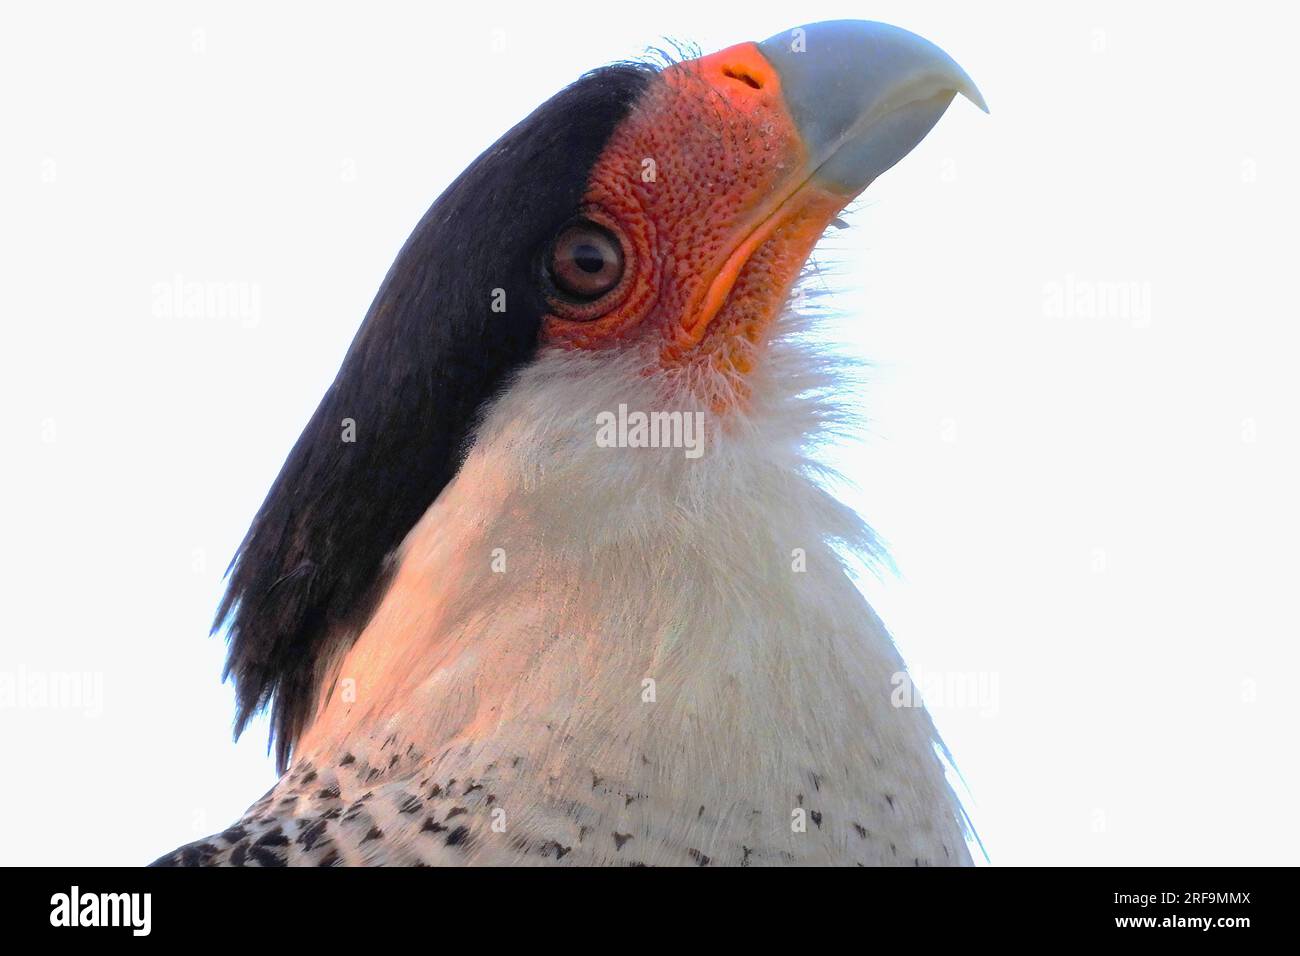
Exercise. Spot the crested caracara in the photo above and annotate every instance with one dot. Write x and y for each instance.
(548, 577)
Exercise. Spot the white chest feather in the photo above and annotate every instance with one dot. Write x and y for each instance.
(630, 655)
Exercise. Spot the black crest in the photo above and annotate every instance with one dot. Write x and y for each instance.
(430, 352)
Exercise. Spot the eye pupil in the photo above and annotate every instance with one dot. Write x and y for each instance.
(588, 258)
(586, 261)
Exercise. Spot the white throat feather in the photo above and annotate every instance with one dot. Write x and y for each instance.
(632, 641)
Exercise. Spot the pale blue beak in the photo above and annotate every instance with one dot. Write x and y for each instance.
(863, 95)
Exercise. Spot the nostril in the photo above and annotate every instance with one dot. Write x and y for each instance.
(742, 74)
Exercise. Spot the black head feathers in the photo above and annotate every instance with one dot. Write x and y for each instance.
(430, 352)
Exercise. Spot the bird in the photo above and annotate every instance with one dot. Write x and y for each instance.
(551, 576)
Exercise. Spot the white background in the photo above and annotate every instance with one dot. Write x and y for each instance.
(1093, 507)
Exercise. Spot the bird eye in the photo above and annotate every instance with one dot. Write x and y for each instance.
(586, 261)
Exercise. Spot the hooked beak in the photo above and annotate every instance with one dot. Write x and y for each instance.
(862, 95)
(857, 97)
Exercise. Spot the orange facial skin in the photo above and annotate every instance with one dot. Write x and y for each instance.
(705, 185)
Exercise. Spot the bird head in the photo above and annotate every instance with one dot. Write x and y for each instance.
(705, 202)
(651, 217)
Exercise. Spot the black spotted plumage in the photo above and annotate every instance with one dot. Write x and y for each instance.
(430, 352)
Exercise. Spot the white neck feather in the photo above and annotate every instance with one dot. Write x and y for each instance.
(669, 642)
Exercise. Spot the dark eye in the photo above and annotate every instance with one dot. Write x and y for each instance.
(586, 261)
